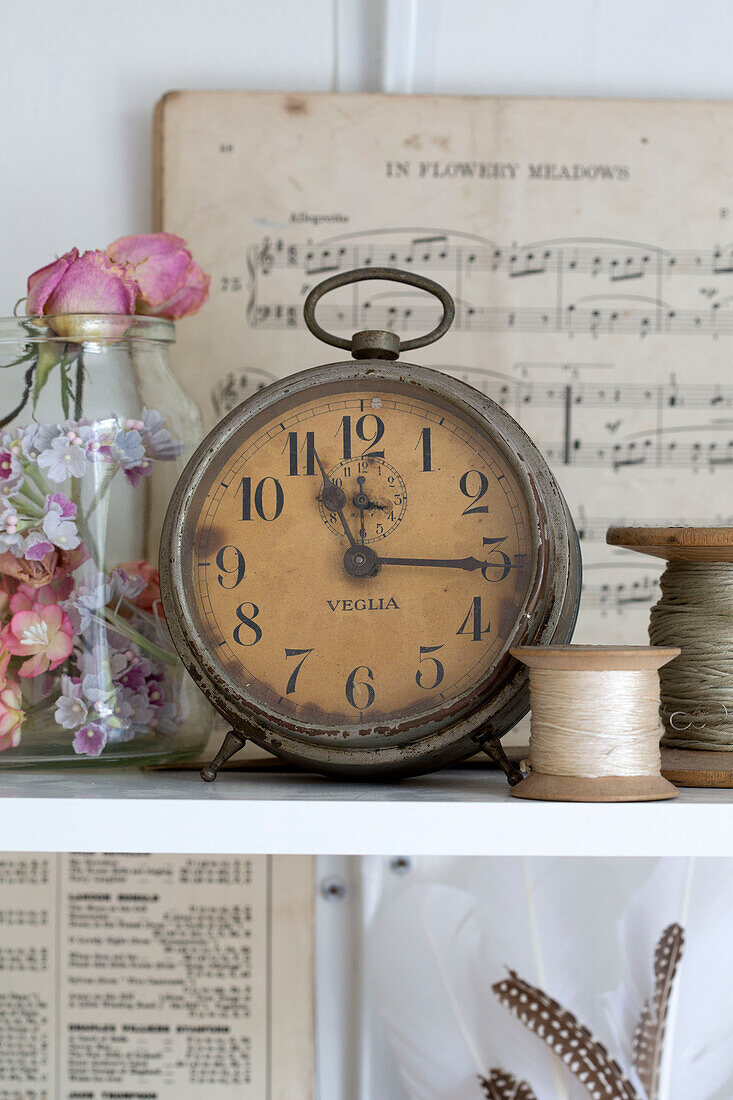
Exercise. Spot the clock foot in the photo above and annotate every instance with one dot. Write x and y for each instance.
(493, 748)
(231, 744)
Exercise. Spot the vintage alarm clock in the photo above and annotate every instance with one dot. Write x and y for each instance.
(351, 553)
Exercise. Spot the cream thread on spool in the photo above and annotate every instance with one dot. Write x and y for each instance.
(595, 726)
(695, 612)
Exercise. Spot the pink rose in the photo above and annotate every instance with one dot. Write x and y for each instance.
(171, 283)
(90, 283)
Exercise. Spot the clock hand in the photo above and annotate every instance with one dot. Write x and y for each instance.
(468, 564)
(334, 498)
(361, 502)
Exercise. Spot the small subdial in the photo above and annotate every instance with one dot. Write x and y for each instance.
(376, 498)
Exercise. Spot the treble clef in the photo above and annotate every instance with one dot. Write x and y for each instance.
(265, 257)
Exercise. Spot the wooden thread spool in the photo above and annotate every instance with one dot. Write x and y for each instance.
(575, 748)
(687, 767)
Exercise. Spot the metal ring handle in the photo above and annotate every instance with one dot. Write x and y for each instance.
(392, 275)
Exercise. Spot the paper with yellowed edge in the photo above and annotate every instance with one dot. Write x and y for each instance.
(587, 244)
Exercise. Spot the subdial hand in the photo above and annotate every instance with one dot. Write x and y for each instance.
(334, 499)
(361, 500)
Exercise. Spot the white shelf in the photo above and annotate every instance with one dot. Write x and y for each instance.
(464, 811)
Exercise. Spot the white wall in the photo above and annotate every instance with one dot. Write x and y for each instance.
(78, 79)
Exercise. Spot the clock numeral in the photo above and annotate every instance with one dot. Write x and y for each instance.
(238, 568)
(363, 433)
(249, 622)
(474, 618)
(505, 563)
(439, 671)
(294, 674)
(293, 451)
(266, 500)
(427, 450)
(483, 484)
(353, 683)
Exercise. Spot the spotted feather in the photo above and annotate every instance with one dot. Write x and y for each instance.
(648, 1041)
(585, 1057)
(503, 1086)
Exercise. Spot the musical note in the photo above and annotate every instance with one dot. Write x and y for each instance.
(616, 418)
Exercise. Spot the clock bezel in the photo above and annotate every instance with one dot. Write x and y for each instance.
(547, 615)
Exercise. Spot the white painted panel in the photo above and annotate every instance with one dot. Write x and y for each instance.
(667, 48)
(78, 81)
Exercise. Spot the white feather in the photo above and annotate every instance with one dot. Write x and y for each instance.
(545, 918)
(698, 1059)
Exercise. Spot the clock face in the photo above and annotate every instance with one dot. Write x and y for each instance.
(357, 552)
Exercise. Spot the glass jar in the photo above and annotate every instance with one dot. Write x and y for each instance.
(94, 432)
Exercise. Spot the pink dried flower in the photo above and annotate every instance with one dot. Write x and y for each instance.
(25, 597)
(11, 714)
(34, 573)
(171, 283)
(90, 283)
(44, 635)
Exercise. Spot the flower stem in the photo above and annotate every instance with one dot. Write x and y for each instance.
(33, 502)
(65, 382)
(45, 704)
(122, 626)
(79, 385)
(35, 474)
(102, 490)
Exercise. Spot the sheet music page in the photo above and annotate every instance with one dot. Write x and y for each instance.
(587, 244)
(155, 977)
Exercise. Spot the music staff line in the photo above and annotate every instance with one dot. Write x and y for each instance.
(651, 451)
(620, 262)
(641, 320)
(621, 596)
(626, 395)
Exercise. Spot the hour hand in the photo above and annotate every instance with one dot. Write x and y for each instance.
(334, 499)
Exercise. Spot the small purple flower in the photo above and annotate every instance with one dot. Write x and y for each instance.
(11, 472)
(10, 537)
(142, 713)
(58, 523)
(36, 438)
(71, 710)
(127, 449)
(65, 458)
(158, 441)
(36, 545)
(88, 599)
(136, 473)
(128, 585)
(90, 740)
(134, 676)
(96, 437)
(98, 693)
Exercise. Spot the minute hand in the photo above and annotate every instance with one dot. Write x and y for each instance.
(468, 564)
